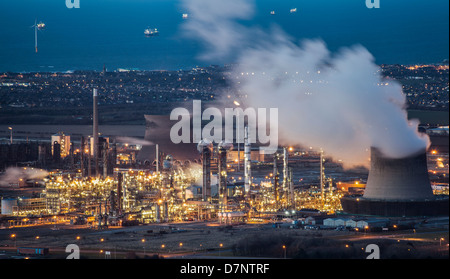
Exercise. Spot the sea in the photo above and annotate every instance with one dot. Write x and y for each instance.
(111, 32)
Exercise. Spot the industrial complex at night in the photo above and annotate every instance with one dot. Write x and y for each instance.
(96, 183)
(225, 130)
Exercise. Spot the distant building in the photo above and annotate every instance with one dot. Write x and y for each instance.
(64, 143)
(23, 206)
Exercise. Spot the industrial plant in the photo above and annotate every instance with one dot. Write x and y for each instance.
(108, 183)
(230, 130)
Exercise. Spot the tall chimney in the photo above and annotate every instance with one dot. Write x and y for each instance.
(285, 169)
(157, 158)
(247, 163)
(204, 147)
(119, 193)
(222, 174)
(95, 130)
(82, 148)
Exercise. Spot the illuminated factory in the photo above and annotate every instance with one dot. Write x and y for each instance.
(112, 184)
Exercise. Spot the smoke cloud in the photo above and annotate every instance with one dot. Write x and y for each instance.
(335, 101)
(13, 174)
(136, 141)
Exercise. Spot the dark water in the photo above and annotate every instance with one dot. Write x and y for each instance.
(111, 32)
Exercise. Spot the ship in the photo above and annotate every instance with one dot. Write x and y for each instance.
(293, 10)
(272, 12)
(40, 25)
(151, 32)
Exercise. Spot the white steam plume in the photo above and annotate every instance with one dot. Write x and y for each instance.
(338, 102)
(136, 141)
(13, 174)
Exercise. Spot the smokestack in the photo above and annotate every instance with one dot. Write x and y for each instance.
(158, 213)
(119, 193)
(166, 212)
(275, 178)
(398, 179)
(247, 162)
(322, 174)
(95, 130)
(285, 169)
(204, 147)
(222, 173)
(157, 158)
(291, 188)
(105, 159)
(89, 159)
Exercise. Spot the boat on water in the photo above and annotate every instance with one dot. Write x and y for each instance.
(40, 25)
(293, 10)
(151, 32)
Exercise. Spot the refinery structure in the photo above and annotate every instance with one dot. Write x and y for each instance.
(99, 180)
(107, 185)
(131, 189)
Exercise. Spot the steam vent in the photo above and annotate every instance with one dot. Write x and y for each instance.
(397, 187)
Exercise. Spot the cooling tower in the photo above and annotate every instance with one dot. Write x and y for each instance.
(397, 187)
(398, 179)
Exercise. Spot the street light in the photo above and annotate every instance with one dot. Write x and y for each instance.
(143, 242)
(13, 236)
(11, 134)
(284, 248)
